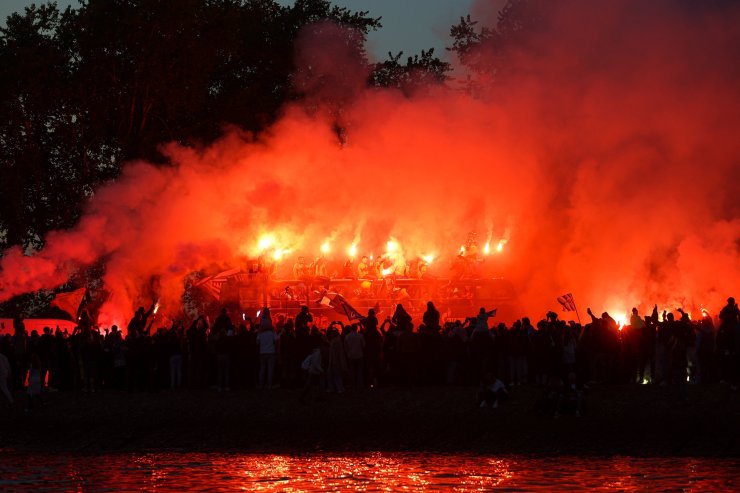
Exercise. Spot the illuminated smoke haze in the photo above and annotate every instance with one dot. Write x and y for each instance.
(608, 157)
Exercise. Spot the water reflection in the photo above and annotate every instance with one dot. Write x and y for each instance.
(360, 472)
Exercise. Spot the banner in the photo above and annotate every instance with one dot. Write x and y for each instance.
(70, 302)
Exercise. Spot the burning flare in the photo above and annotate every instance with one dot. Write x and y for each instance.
(265, 242)
(278, 253)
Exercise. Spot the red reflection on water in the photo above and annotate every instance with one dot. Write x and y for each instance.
(372, 472)
(360, 472)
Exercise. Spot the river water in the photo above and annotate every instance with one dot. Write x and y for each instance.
(360, 472)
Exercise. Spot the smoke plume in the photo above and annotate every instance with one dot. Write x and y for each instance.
(607, 158)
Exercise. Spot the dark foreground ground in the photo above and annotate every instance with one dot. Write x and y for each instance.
(620, 420)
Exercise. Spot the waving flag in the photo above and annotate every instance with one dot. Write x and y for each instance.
(213, 284)
(340, 305)
(70, 302)
(569, 304)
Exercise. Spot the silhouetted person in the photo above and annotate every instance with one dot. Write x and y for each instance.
(373, 348)
(455, 351)
(354, 345)
(729, 328)
(337, 364)
(364, 269)
(492, 393)
(408, 348)
(314, 368)
(431, 317)
(47, 354)
(518, 348)
(401, 319)
(20, 355)
(174, 354)
(570, 398)
(289, 359)
(137, 325)
(197, 352)
(4, 378)
(267, 341)
(705, 347)
(679, 339)
(224, 341)
(481, 344)
(223, 322)
(302, 320)
(90, 350)
(34, 383)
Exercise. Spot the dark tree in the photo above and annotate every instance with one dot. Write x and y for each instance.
(487, 51)
(419, 71)
(83, 91)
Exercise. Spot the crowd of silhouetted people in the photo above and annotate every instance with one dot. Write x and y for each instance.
(296, 352)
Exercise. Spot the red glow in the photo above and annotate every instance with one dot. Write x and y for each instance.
(604, 164)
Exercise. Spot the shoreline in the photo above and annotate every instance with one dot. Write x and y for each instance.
(620, 420)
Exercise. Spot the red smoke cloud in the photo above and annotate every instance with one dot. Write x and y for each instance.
(608, 158)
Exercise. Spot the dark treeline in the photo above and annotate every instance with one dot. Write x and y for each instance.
(85, 90)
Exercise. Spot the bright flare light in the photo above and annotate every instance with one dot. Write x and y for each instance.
(156, 307)
(266, 241)
(352, 250)
(325, 247)
(278, 253)
(500, 245)
(487, 248)
(391, 246)
(387, 271)
(428, 258)
(620, 319)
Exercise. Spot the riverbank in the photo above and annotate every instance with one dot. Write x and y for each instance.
(635, 420)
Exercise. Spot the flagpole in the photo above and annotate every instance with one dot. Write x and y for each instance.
(577, 315)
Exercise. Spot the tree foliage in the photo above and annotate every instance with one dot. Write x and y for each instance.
(85, 90)
(418, 71)
(487, 51)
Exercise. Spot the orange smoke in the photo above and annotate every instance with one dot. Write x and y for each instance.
(607, 159)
